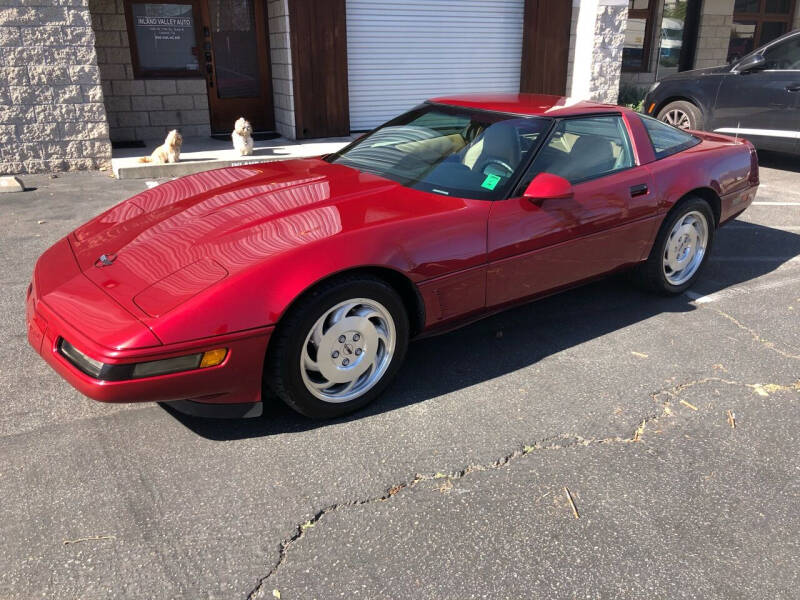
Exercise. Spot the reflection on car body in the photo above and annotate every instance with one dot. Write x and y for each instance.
(306, 279)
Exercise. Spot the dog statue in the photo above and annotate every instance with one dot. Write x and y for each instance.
(168, 152)
(242, 137)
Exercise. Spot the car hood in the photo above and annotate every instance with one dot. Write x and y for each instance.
(171, 242)
(695, 73)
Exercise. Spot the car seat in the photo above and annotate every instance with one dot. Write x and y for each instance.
(500, 144)
(590, 155)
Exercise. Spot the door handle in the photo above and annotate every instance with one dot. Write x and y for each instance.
(793, 87)
(638, 190)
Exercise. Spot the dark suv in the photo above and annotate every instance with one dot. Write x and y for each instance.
(756, 97)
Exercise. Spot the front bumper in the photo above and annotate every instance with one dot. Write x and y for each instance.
(236, 380)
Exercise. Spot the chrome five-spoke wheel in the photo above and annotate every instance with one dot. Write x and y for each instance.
(681, 247)
(685, 247)
(339, 347)
(348, 350)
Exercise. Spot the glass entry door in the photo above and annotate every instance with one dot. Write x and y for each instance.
(236, 53)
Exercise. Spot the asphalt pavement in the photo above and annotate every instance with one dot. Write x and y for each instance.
(600, 443)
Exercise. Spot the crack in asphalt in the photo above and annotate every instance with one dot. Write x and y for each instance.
(755, 335)
(558, 442)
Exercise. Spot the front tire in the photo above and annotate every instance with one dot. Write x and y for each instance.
(681, 248)
(681, 114)
(339, 347)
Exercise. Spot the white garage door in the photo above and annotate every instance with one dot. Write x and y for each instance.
(402, 52)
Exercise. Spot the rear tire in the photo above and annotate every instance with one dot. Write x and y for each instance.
(339, 347)
(681, 114)
(681, 248)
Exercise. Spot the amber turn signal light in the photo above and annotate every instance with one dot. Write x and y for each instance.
(212, 358)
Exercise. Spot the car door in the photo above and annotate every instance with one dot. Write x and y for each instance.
(538, 246)
(762, 104)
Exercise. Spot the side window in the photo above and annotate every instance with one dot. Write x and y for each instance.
(584, 148)
(667, 139)
(784, 56)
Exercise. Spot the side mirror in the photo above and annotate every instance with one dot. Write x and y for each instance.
(750, 63)
(546, 186)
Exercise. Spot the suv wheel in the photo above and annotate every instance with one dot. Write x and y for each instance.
(681, 114)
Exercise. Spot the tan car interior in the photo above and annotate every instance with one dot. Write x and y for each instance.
(497, 149)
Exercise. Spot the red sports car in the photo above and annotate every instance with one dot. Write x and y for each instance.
(309, 277)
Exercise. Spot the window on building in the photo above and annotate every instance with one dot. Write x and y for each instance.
(667, 139)
(757, 22)
(673, 44)
(638, 35)
(163, 38)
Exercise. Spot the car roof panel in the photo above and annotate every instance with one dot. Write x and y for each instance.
(527, 104)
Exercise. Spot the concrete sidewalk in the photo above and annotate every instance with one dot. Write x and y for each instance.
(205, 153)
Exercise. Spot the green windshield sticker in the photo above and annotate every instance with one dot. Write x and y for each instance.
(490, 182)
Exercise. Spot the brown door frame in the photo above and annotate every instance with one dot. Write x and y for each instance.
(226, 110)
(545, 46)
(318, 33)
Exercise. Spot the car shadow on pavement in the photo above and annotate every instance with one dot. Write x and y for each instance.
(522, 336)
(778, 160)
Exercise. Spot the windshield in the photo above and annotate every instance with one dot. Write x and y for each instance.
(449, 151)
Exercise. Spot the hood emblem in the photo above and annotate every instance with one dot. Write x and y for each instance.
(105, 260)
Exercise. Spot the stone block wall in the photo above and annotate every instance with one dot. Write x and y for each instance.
(609, 37)
(595, 51)
(142, 109)
(281, 61)
(52, 116)
(716, 21)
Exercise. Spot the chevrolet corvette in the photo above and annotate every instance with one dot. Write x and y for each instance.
(307, 278)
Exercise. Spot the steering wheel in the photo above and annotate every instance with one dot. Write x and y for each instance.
(495, 161)
(471, 132)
